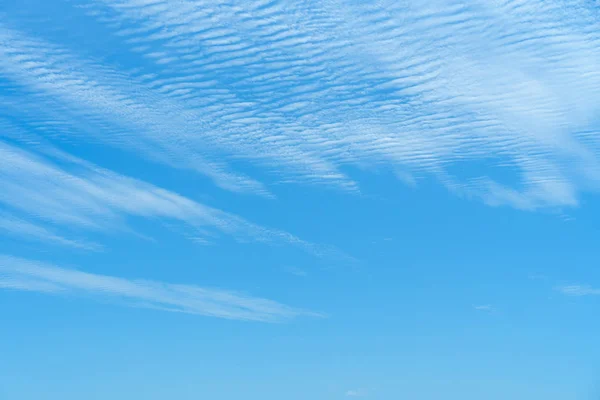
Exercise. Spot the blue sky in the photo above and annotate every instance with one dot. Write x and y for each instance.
(322, 200)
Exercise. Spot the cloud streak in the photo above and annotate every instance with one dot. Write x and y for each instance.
(356, 393)
(58, 189)
(31, 231)
(578, 290)
(21, 274)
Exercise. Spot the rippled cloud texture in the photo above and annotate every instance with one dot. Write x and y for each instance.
(495, 100)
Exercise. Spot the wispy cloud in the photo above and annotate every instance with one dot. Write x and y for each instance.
(21, 274)
(83, 98)
(578, 290)
(68, 192)
(356, 393)
(31, 231)
(306, 90)
(416, 87)
(483, 307)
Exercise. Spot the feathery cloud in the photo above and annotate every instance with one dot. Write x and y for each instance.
(31, 231)
(413, 87)
(309, 91)
(80, 97)
(22, 274)
(578, 290)
(68, 192)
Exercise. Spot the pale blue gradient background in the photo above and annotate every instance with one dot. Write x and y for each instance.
(412, 187)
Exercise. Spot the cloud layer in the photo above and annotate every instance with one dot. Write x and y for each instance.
(310, 90)
(497, 100)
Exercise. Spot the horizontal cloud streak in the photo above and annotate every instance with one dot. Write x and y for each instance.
(66, 191)
(578, 290)
(28, 230)
(21, 274)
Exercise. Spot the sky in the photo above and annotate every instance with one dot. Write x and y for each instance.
(276, 199)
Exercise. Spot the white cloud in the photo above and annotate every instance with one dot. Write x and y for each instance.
(483, 307)
(356, 393)
(21, 274)
(27, 230)
(93, 197)
(307, 90)
(428, 85)
(578, 290)
(70, 193)
(105, 106)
